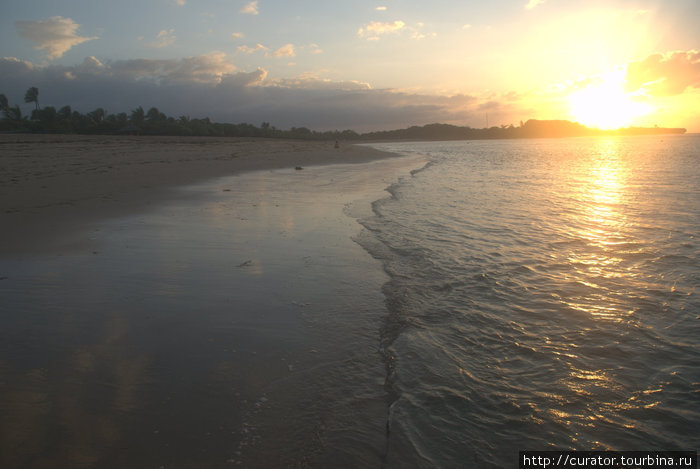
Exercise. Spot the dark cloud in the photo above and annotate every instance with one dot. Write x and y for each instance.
(489, 106)
(234, 82)
(12, 67)
(665, 74)
(209, 86)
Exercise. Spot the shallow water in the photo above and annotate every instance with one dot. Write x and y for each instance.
(543, 295)
(235, 326)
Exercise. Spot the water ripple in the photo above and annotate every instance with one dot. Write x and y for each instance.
(543, 295)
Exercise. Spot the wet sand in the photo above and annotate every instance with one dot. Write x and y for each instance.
(53, 185)
(195, 322)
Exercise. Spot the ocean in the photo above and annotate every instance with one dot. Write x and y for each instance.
(542, 295)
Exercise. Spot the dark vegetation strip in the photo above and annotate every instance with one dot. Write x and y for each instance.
(154, 122)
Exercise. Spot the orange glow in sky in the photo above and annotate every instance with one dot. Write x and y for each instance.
(606, 105)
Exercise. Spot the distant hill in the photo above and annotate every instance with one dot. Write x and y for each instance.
(533, 128)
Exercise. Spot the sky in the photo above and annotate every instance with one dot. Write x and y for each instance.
(362, 65)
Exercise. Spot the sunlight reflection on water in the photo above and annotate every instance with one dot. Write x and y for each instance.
(557, 276)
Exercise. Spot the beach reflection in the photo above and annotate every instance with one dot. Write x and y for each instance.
(69, 409)
(148, 348)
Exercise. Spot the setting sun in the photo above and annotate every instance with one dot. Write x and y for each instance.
(606, 105)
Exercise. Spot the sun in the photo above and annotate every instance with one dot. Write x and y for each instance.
(606, 104)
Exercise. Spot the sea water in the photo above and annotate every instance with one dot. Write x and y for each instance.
(543, 294)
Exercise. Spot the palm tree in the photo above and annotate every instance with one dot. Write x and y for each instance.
(4, 107)
(97, 115)
(32, 96)
(65, 113)
(13, 113)
(154, 115)
(137, 115)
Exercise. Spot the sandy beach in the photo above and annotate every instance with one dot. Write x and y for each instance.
(52, 185)
(189, 303)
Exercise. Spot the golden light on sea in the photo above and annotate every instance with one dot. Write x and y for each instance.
(602, 192)
(600, 195)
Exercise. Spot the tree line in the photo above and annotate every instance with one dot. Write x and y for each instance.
(154, 122)
(140, 122)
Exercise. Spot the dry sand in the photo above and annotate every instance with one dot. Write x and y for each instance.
(53, 185)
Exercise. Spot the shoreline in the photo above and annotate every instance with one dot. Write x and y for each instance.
(234, 323)
(54, 186)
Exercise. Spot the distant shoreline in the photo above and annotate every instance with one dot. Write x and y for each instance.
(531, 129)
(48, 121)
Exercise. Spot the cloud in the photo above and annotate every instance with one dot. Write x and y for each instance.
(237, 35)
(90, 66)
(315, 49)
(286, 50)
(665, 74)
(11, 66)
(203, 69)
(211, 86)
(309, 81)
(382, 8)
(180, 3)
(489, 106)
(251, 50)
(208, 68)
(250, 8)
(374, 29)
(243, 79)
(416, 32)
(55, 36)
(164, 39)
(533, 3)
